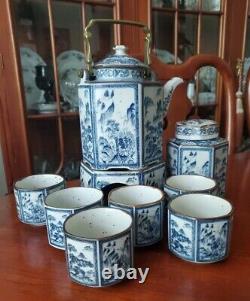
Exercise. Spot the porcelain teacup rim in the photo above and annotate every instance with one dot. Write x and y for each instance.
(146, 204)
(39, 188)
(172, 187)
(84, 238)
(57, 193)
(195, 218)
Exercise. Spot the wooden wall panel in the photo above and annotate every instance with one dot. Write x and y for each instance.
(235, 31)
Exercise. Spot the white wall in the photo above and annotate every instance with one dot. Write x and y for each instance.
(3, 187)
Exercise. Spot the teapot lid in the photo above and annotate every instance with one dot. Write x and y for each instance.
(120, 65)
(197, 129)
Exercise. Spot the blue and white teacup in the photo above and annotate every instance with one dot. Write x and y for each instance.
(199, 227)
(98, 242)
(59, 205)
(146, 205)
(30, 193)
(182, 184)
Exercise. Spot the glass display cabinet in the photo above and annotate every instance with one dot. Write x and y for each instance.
(246, 48)
(50, 48)
(42, 54)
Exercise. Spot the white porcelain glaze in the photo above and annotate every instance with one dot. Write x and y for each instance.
(40, 181)
(201, 206)
(74, 198)
(146, 205)
(199, 227)
(98, 223)
(191, 182)
(190, 155)
(121, 114)
(30, 193)
(97, 239)
(197, 129)
(153, 175)
(61, 204)
(120, 50)
(135, 195)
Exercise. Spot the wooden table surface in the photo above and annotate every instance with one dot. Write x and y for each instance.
(30, 269)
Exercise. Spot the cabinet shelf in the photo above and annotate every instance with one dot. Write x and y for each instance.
(53, 115)
(187, 11)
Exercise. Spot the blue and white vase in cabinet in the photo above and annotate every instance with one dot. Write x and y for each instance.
(121, 114)
(198, 149)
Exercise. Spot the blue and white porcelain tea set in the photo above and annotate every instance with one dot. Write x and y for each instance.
(121, 121)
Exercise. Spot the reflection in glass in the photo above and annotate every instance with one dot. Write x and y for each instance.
(188, 4)
(68, 31)
(68, 28)
(71, 136)
(45, 152)
(163, 3)
(163, 35)
(247, 52)
(187, 36)
(211, 5)
(32, 32)
(207, 85)
(44, 82)
(102, 39)
(210, 29)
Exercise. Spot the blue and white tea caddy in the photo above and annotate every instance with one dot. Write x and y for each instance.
(121, 109)
(198, 149)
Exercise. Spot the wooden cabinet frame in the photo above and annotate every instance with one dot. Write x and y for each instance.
(13, 123)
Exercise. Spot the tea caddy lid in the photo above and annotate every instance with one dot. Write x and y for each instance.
(120, 65)
(197, 129)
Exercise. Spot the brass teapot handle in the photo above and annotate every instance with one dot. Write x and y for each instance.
(87, 36)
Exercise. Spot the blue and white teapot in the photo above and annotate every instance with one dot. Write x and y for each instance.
(121, 109)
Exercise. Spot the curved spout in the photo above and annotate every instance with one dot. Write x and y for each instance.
(168, 90)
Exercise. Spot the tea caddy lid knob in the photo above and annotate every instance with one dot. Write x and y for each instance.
(197, 129)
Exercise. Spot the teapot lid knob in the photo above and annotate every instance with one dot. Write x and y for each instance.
(120, 50)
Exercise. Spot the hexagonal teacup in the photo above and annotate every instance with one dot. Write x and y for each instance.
(199, 227)
(30, 193)
(146, 205)
(59, 205)
(97, 240)
(183, 184)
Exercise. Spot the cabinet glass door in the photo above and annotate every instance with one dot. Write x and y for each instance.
(182, 28)
(49, 40)
(247, 47)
